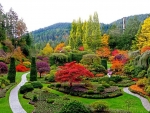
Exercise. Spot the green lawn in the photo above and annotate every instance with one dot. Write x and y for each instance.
(126, 102)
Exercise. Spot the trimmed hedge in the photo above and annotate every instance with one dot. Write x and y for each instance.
(26, 88)
(37, 84)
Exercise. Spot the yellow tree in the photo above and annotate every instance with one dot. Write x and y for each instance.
(47, 50)
(59, 47)
(104, 40)
(143, 35)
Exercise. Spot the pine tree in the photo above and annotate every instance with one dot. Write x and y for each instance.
(12, 71)
(33, 72)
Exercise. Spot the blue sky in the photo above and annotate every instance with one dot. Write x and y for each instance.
(41, 13)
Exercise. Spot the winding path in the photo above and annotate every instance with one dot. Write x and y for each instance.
(144, 101)
(13, 98)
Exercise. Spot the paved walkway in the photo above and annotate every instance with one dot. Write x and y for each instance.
(144, 101)
(13, 98)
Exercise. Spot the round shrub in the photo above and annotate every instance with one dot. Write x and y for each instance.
(74, 107)
(49, 100)
(3, 68)
(37, 84)
(26, 88)
(58, 85)
(34, 99)
(115, 79)
(106, 85)
(100, 88)
(141, 74)
(99, 106)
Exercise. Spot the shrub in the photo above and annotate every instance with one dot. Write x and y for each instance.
(141, 74)
(115, 79)
(58, 85)
(89, 59)
(100, 88)
(99, 106)
(74, 107)
(3, 68)
(33, 71)
(141, 82)
(137, 70)
(27, 64)
(37, 84)
(90, 92)
(26, 88)
(58, 58)
(148, 90)
(34, 99)
(106, 85)
(49, 100)
(12, 71)
(21, 68)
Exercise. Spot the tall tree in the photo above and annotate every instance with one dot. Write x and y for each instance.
(84, 39)
(143, 35)
(12, 71)
(47, 50)
(72, 37)
(33, 71)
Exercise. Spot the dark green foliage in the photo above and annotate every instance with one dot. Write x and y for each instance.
(116, 79)
(100, 88)
(34, 99)
(12, 71)
(26, 88)
(74, 107)
(99, 106)
(33, 71)
(58, 59)
(137, 69)
(104, 63)
(37, 84)
(97, 68)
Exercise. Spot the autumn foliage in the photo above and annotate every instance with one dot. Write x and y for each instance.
(137, 89)
(72, 72)
(145, 48)
(59, 47)
(103, 52)
(21, 68)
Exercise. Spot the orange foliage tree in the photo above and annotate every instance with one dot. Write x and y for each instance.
(117, 66)
(59, 47)
(145, 48)
(103, 52)
(18, 54)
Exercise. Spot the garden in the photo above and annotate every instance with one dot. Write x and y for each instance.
(85, 75)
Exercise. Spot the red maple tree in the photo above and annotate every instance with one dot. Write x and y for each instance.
(72, 72)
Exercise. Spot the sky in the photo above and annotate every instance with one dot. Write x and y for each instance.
(42, 13)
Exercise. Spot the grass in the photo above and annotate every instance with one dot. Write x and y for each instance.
(124, 102)
(4, 102)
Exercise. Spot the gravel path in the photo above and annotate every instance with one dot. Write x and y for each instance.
(13, 98)
(144, 101)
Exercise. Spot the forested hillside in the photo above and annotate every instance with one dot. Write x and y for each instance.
(59, 32)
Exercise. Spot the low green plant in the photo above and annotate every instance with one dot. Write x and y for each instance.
(26, 88)
(99, 106)
(37, 84)
(74, 107)
(100, 88)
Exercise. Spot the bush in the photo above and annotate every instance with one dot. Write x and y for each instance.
(34, 99)
(115, 79)
(49, 100)
(99, 106)
(100, 88)
(57, 85)
(3, 68)
(37, 84)
(106, 85)
(27, 64)
(141, 82)
(21, 68)
(141, 74)
(26, 88)
(90, 92)
(74, 107)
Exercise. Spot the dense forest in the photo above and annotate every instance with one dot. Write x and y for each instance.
(59, 32)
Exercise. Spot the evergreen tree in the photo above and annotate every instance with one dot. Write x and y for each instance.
(33, 72)
(72, 36)
(84, 39)
(12, 71)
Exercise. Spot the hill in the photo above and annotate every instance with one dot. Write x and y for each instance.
(60, 31)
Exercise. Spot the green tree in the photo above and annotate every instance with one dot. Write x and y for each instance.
(12, 71)
(33, 71)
